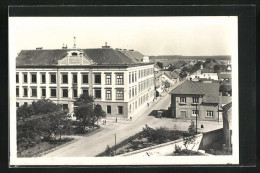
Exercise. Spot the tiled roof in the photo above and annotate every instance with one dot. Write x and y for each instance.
(227, 106)
(99, 56)
(210, 91)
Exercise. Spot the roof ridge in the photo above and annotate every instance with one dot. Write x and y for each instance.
(197, 87)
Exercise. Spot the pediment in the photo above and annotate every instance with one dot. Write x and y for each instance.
(75, 57)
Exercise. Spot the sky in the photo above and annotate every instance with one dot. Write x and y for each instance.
(191, 36)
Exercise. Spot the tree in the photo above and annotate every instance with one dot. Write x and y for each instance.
(99, 113)
(172, 67)
(190, 137)
(217, 69)
(167, 84)
(159, 64)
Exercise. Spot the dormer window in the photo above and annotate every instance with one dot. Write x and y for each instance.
(74, 54)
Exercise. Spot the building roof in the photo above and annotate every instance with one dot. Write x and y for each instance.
(98, 56)
(210, 91)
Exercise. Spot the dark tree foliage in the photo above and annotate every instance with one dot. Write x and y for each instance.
(217, 69)
(159, 64)
(172, 67)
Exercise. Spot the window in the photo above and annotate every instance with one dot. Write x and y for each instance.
(65, 78)
(17, 78)
(65, 106)
(64, 92)
(53, 92)
(183, 113)
(17, 92)
(24, 78)
(209, 114)
(53, 78)
(43, 78)
(34, 79)
(97, 79)
(119, 79)
(25, 92)
(34, 92)
(119, 94)
(75, 93)
(85, 78)
(183, 99)
(133, 77)
(108, 79)
(129, 78)
(136, 90)
(17, 105)
(130, 92)
(108, 109)
(25, 103)
(74, 53)
(226, 79)
(194, 113)
(195, 100)
(75, 79)
(85, 91)
(133, 91)
(108, 94)
(98, 93)
(43, 92)
(120, 109)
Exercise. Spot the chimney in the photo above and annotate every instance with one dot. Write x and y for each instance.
(74, 45)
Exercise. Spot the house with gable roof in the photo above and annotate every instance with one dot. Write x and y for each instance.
(191, 98)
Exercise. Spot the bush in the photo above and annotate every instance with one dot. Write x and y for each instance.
(109, 151)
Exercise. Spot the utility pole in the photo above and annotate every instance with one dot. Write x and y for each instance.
(115, 144)
(196, 119)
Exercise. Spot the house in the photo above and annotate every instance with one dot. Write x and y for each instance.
(190, 96)
(227, 124)
(119, 80)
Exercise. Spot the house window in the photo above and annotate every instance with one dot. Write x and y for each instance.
(34, 92)
(85, 78)
(25, 103)
(64, 92)
(53, 92)
(25, 78)
(25, 92)
(97, 79)
(195, 100)
(108, 109)
(119, 94)
(75, 79)
(120, 109)
(133, 77)
(65, 78)
(65, 106)
(136, 90)
(194, 113)
(209, 114)
(130, 92)
(34, 79)
(183, 113)
(17, 78)
(108, 94)
(43, 92)
(133, 91)
(108, 79)
(129, 78)
(119, 79)
(17, 105)
(17, 92)
(53, 78)
(85, 91)
(183, 99)
(98, 93)
(43, 78)
(75, 93)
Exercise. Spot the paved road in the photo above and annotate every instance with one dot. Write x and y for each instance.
(97, 143)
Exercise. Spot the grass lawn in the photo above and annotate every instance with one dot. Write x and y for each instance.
(41, 147)
(187, 153)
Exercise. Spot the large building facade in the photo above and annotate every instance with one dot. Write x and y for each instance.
(119, 80)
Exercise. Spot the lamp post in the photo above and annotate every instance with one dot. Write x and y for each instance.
(115, 144)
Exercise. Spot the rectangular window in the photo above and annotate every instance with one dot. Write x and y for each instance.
(34, 78)
(194, 113)
(53, 78)
(85, 78)
(53, 92)
(17, 92)
(75, 78)
(183, 113)
(25, 78)
(43, 92)
(183, 99)
(85, 91)
(75, 93)
(64, 92)
(17, 78)
(119, 79)
(108, 94)
(17, 105)
(108, 79)
(136, 90)
(25, 92)
(120, 109)
(133, 77)
(43, 78)
(209, 114)
(65, 106)
(129, 78)
(130, 92)
(65, 78)
(195, 100)
(108, 109)
(25, 103)
(119, 94)
(34, 92)
(97, 79)
(133, 91)
(98, 93)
